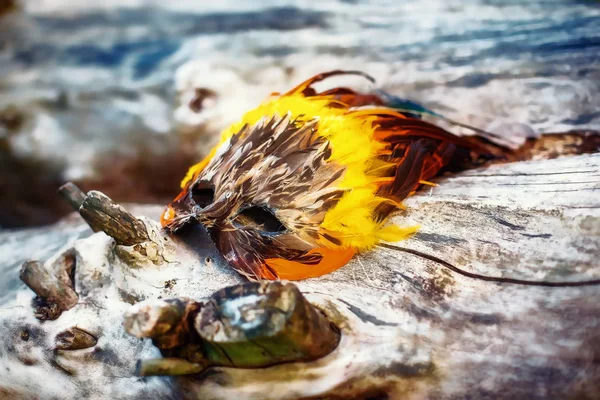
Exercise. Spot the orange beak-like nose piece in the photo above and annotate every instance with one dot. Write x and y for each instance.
(167, 216)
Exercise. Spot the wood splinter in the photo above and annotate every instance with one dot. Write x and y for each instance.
(102, 214)
(168, 367)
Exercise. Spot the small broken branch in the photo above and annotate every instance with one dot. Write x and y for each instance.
(72, 194)
(53, 284)
(102, 214)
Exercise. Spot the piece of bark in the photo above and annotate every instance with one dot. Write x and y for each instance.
(74, 339)
(45, 308)
(166, 322)
(102, 214)
(555, 145)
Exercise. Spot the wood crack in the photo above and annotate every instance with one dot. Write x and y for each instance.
(496, 279)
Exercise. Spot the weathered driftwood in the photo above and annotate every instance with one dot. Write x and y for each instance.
(259, 324)
(410, 327)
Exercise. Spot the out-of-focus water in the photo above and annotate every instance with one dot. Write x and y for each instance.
(87, 87)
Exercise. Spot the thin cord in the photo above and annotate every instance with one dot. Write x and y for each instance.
(489, 278)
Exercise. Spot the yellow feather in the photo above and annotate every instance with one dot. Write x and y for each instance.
(394, 233)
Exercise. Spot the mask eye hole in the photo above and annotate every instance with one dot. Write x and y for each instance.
(203, 194)
(260, 218)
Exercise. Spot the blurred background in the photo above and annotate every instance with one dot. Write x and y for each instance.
(124, 95)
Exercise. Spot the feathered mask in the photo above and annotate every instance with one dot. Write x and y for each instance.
(308, 179)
